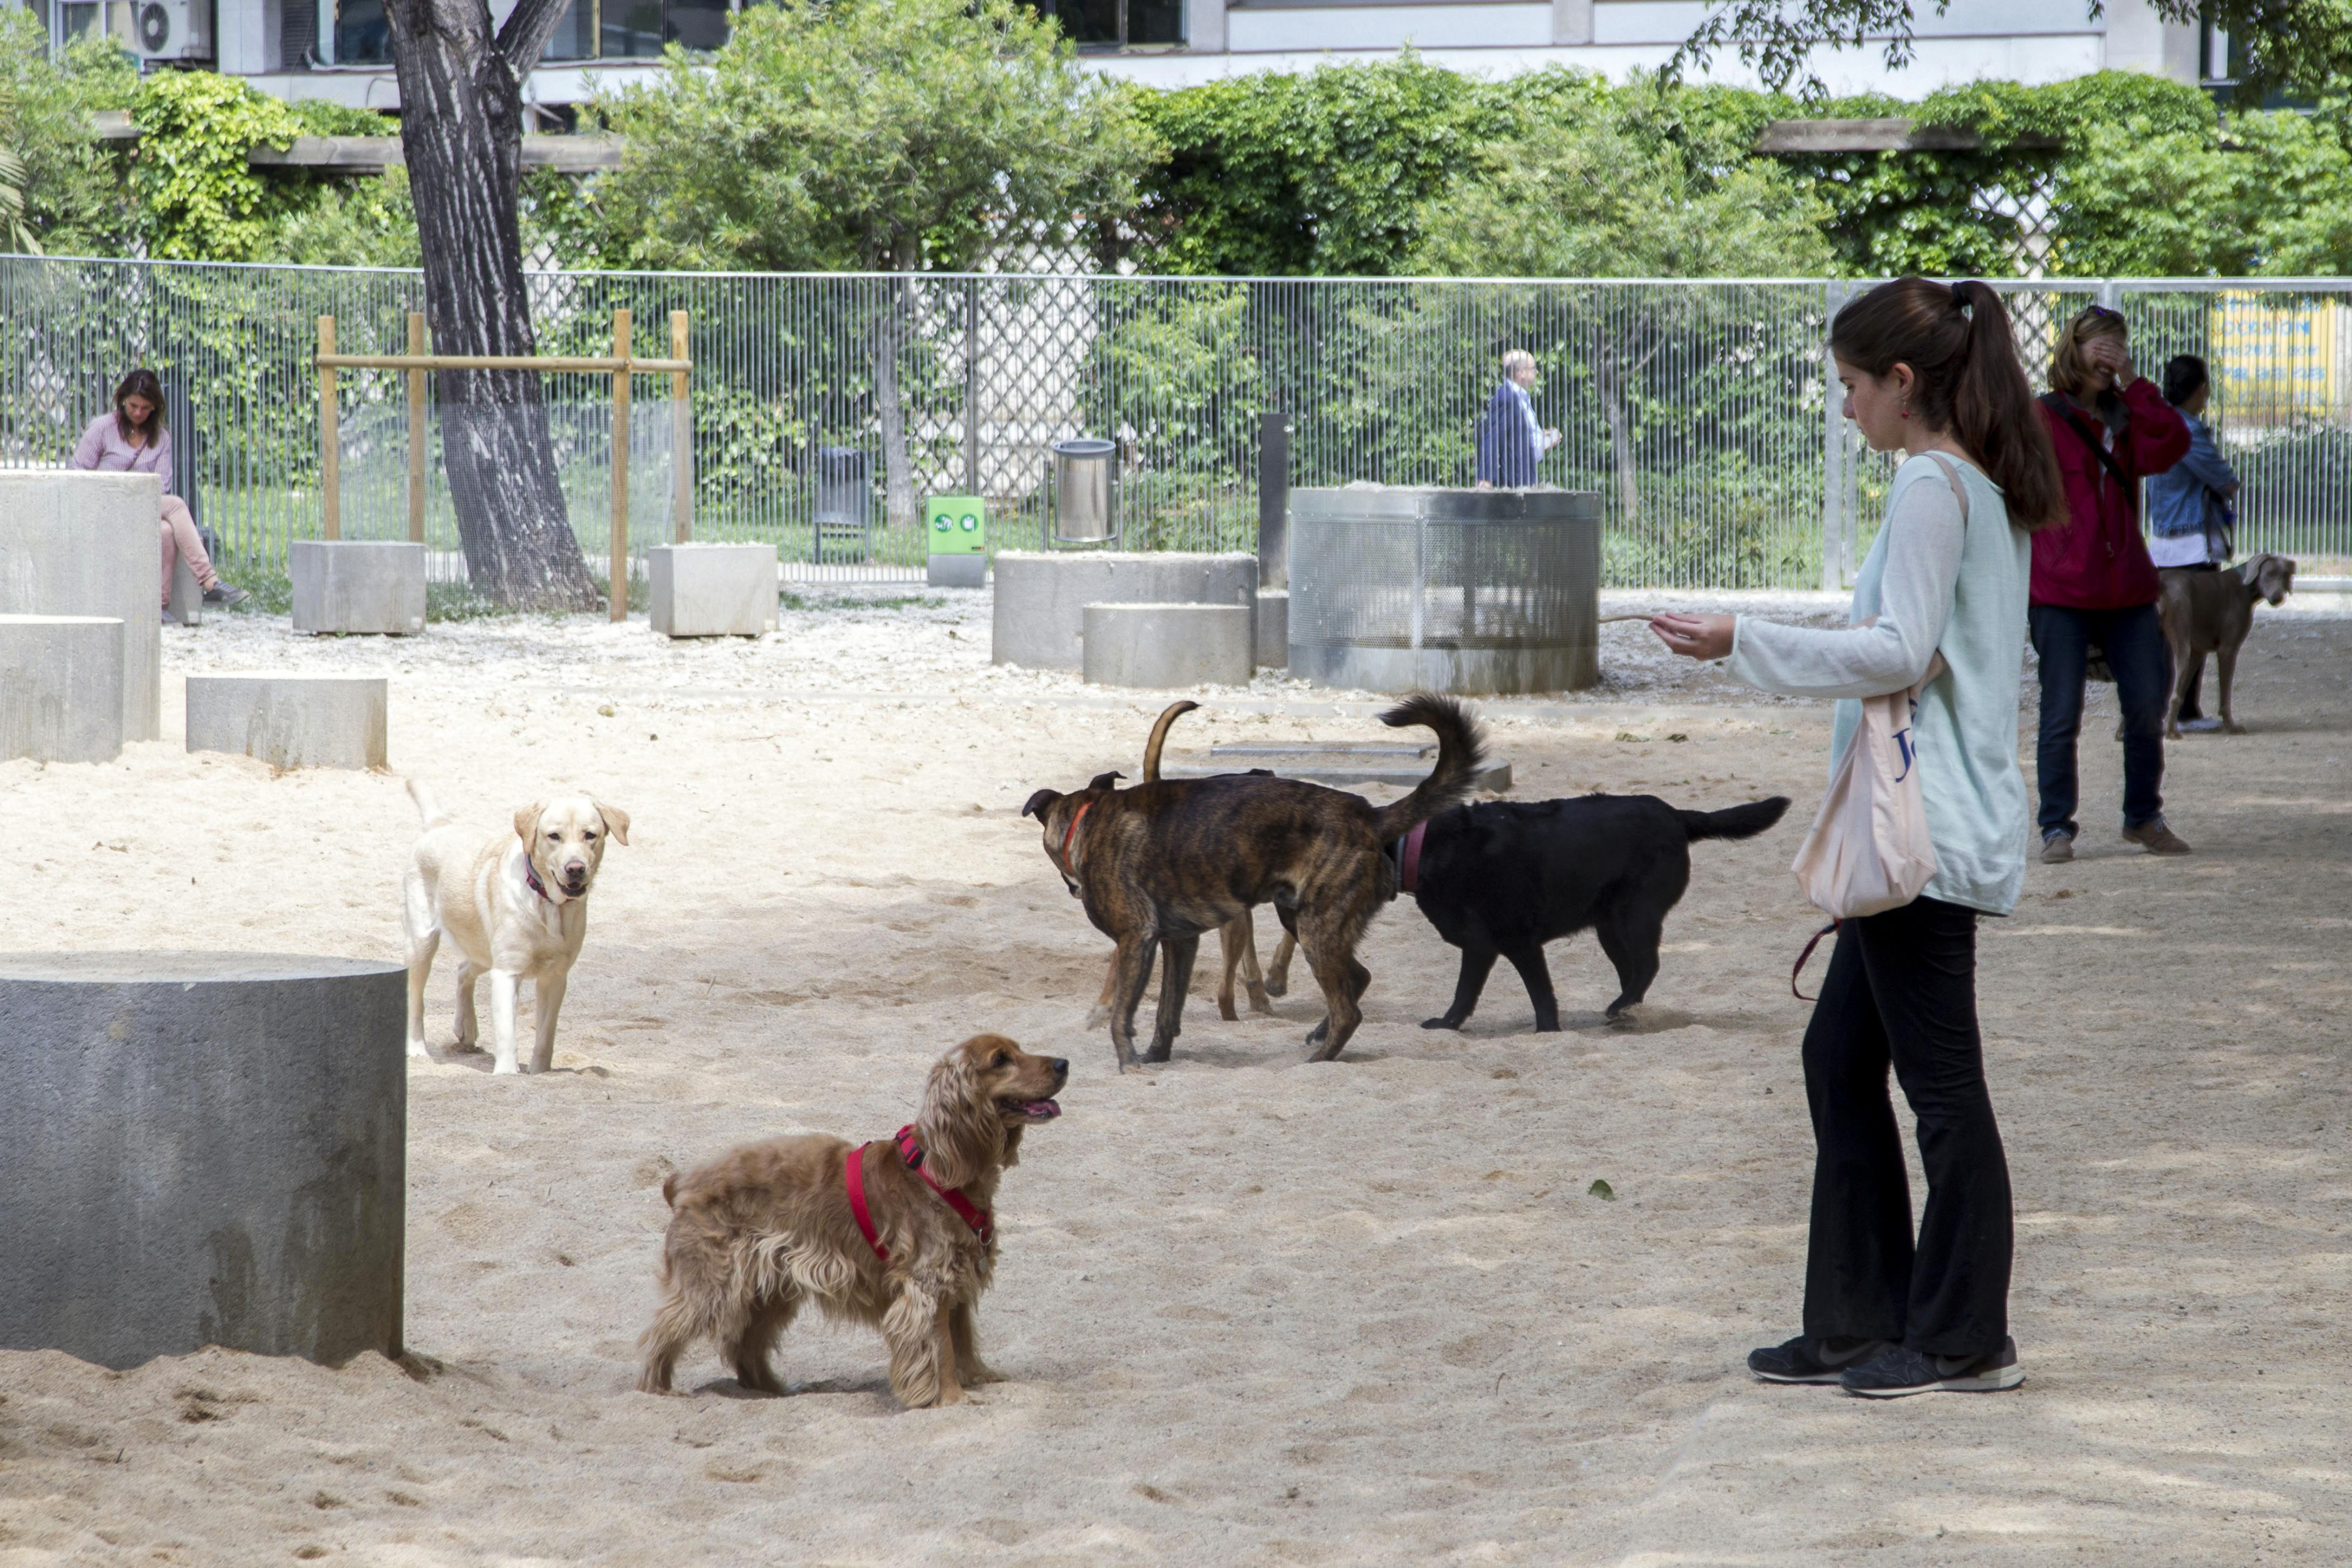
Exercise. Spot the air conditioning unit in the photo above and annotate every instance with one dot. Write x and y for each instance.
(171, 29)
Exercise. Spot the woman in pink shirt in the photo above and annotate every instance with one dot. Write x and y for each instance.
(132, 439)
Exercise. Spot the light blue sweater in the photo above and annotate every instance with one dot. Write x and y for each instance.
(1935, 587)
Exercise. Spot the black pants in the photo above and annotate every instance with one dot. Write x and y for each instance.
(1901, 990)
(2141, 662)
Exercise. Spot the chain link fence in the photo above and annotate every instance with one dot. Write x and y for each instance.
(1702, 411)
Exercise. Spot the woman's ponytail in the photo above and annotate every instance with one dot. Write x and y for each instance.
(1967, 380)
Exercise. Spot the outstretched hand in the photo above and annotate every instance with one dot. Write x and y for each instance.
(1695, 636)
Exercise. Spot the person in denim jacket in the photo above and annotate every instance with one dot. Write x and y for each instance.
(2190, 506)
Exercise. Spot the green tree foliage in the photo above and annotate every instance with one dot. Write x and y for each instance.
(1628, 188)
(895, 135)
(201, 200)
(2296, 46)
(73, 199)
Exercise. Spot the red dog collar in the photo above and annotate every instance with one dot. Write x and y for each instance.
(854, 1177)
(1409, 862)
(531, 876)
(1070, 837)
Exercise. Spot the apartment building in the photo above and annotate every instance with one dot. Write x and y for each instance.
(340, 48)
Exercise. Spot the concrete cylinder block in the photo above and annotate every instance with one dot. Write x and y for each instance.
(712, 591)
(79, 543)
(203, 1148)
(1042, 596)
(290, 721)
(364, 586)
(1169, 646)
(1274, 628)
(60, 687)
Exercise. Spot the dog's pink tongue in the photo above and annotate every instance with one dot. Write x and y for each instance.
(1040, 1110)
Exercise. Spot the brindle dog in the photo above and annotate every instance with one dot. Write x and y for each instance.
(1165, 862)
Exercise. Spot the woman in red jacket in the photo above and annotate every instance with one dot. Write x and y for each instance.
(2094, 585)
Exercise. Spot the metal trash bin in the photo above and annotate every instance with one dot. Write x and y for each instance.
(1085, 490)
(844, 504)
(1472, 591)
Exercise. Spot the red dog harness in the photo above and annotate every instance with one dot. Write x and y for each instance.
(911, 1152)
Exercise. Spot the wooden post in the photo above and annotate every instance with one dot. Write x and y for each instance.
(419, 435)
(681, 443)
(330, 465)
(620, 557)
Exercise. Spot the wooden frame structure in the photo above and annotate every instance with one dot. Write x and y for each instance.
(621, 365)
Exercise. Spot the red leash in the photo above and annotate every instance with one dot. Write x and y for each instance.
(854, 1177)
(1799, 967)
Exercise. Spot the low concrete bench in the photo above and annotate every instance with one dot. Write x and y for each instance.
(79, 543)
(203, 1148)
(60, 687)
(1042, 596)
(290, 721)
(712, 591)
(373, 587)
(1169, 646)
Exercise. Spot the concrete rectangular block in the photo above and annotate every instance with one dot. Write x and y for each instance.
(77, 543)
(370, 586)
(290, 721)
(60, 687)
(1274, 628)
(187, 596)
(1039, 620)
(712, 591)
(1169, 646)
(955, 571)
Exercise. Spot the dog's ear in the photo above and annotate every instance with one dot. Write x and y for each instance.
(527, 821)
(960, 1133)
(617, 821)
(1105, 780)
(1040, 803)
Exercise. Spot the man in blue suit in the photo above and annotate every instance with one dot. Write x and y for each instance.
(1510, 441)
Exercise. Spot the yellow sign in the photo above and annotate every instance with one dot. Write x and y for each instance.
(2277, 359)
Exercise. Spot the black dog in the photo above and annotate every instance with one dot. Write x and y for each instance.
(1503, 878)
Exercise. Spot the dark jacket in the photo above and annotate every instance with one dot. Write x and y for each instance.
(2097, 560)
(1508, 449)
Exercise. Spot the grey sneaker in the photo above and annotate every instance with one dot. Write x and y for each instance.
(1805, 1360)
(2157, 839)
(1894, 1372)
(2057, 849)
(223, 595)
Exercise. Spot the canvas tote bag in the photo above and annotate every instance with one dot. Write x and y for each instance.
(1868, 850)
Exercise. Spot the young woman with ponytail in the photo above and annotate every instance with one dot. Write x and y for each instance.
(1929, 370)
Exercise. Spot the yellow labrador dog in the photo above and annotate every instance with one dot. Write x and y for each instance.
(516, 907)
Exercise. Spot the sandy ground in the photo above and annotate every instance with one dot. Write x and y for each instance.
(1252, 1312)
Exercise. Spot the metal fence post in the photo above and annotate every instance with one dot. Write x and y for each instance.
(681, 439)
(418, 437)
(1834, 476)
(618, 592)
(331, 441)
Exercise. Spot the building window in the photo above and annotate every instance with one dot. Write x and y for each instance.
(1118, 24)
(363, 37)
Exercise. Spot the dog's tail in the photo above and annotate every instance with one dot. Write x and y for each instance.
(1461, 757)
(1734, 821)
(1168, 716)
(426, 807)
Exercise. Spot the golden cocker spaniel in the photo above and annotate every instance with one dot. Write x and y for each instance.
(895, 1234)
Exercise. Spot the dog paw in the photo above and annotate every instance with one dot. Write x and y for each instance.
(1098, 1017)
(1439, 1023)
(419, 1051)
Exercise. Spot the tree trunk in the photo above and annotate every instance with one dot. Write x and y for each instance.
(461, 131)
(889, 406)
